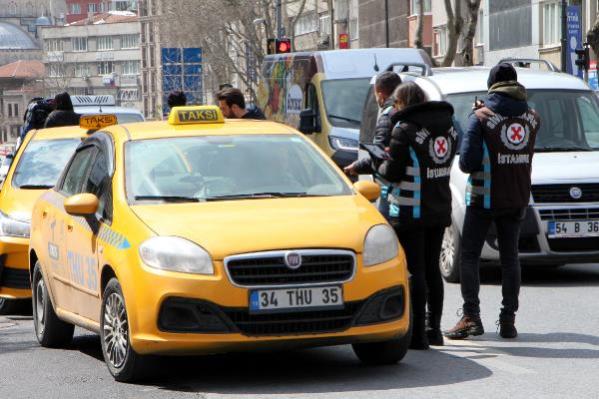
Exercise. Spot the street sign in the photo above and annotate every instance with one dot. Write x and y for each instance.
(574, 40)
(343, 41)
(593, 80)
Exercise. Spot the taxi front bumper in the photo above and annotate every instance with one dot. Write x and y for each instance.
(14, 268)
(178, 316)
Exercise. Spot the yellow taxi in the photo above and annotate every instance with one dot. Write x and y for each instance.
(200, 235)
(36, 167)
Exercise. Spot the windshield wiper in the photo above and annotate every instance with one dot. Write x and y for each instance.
(36, 186)
(166, 198)
(259, 195)
(568, 149)
(344, 118)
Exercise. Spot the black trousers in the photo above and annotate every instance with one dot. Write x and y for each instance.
(422, 246)
(476, 226)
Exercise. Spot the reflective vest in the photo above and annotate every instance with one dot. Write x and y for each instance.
(508, 149)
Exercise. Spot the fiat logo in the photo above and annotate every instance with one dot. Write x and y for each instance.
(575, 193)
(293, 260)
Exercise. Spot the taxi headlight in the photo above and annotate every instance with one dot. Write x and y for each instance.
(176, 254)
(12, 227)
(380, 245)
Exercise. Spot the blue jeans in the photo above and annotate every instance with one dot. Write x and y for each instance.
(476, 226)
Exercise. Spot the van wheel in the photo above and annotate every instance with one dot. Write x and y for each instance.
(123, 362)
(8, 306)
(51, 332)
(449, 260)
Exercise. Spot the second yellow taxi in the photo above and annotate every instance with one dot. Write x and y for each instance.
(200, 235)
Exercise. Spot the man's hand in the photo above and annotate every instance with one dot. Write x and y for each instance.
(483, 113)
(350, 170)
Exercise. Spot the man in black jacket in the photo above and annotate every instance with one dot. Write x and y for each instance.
(64, 114)
(232, 104)
(497, 152)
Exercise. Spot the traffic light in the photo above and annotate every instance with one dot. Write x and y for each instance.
(278, 46)
(584, 59)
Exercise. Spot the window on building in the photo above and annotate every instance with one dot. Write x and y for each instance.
(55, 71)
(9, 112)
(104, 7)
(104, 43)
(53, 45)
(306, 23)
(79, 43)
(415, 6)
(480, 28)
(152, 57)
(440, 41)
(81, 91)
(82, 70)
(552, 27)
(75, 8)
(92, 7)
(15, 109)
(354, 29)
(131, 68)
(325, 24)
(105, 67)
(130, 41)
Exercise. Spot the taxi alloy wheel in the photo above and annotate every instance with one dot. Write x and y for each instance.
(449, 261)
(123, 363)
(50, 331)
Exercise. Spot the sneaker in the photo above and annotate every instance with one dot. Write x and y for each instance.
(507, 329)
(468, 325)
(435, 337)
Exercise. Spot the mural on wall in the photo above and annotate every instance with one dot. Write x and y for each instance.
(281, 93)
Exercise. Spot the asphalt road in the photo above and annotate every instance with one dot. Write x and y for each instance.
(555, 356)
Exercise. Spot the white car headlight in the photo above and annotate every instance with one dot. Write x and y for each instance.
(14, 226)
(380, 245)
(339, 143)
(176, 254)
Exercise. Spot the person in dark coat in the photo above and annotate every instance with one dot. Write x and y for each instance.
(422, 148)
(232, 104)
(176, 99)
(497, 152)
(64, 114)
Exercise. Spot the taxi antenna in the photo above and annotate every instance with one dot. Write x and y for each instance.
(376, 64)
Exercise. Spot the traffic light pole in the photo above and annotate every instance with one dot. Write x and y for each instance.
(279, 12)
(564, 35)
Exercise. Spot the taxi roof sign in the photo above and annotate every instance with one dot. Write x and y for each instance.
(99, 121)
(192, 115)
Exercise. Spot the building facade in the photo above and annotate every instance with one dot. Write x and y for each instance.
(373, 22)
(99, 55)
(80, 9)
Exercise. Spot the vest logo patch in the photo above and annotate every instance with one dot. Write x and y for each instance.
(440, 150)
(515, 136)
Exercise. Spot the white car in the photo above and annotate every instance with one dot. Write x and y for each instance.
(105, 104)
(562, 222)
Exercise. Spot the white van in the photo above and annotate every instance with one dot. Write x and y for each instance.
(562, 222)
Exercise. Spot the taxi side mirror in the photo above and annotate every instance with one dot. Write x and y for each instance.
(81, 205)
(370, 190)
(308, 121)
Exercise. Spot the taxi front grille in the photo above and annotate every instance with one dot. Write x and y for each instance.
(269, 269)
(309, 322)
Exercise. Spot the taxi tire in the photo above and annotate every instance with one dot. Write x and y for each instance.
(134, 366)
(56, 333)
(383, 353)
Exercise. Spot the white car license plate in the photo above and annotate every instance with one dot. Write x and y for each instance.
(296, 299)
(578, 229)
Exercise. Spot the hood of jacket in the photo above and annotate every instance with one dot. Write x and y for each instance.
(507, 98)
(435, 116)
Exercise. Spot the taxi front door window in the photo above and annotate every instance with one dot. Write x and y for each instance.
(77, 172)
(98, 183)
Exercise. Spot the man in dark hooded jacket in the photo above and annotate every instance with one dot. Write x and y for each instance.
(497, 152)
(232, 104)
(64, 114)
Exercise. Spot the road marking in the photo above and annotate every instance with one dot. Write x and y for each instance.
(489, 356)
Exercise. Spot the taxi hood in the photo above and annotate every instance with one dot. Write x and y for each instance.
(233, 227)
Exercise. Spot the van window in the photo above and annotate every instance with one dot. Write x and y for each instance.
(344, 101)
(569, 119)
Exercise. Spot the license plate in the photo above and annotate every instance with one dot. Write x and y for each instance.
(578, 229)
(296, 299)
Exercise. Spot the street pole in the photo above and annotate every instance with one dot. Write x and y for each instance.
(279, 12)
(387, 23)
(564, 35)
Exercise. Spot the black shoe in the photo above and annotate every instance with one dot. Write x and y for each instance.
(468, 325)
(435, 337)
(507, 329)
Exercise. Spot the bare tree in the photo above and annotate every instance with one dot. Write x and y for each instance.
(466, 54)
(455, 24)
(419, 31)
(294, 20)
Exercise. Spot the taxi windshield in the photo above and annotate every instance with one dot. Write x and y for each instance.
(42, 162)
(569, 118)
(216, 168)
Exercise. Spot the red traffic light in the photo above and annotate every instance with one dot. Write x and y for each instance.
(283, 46)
